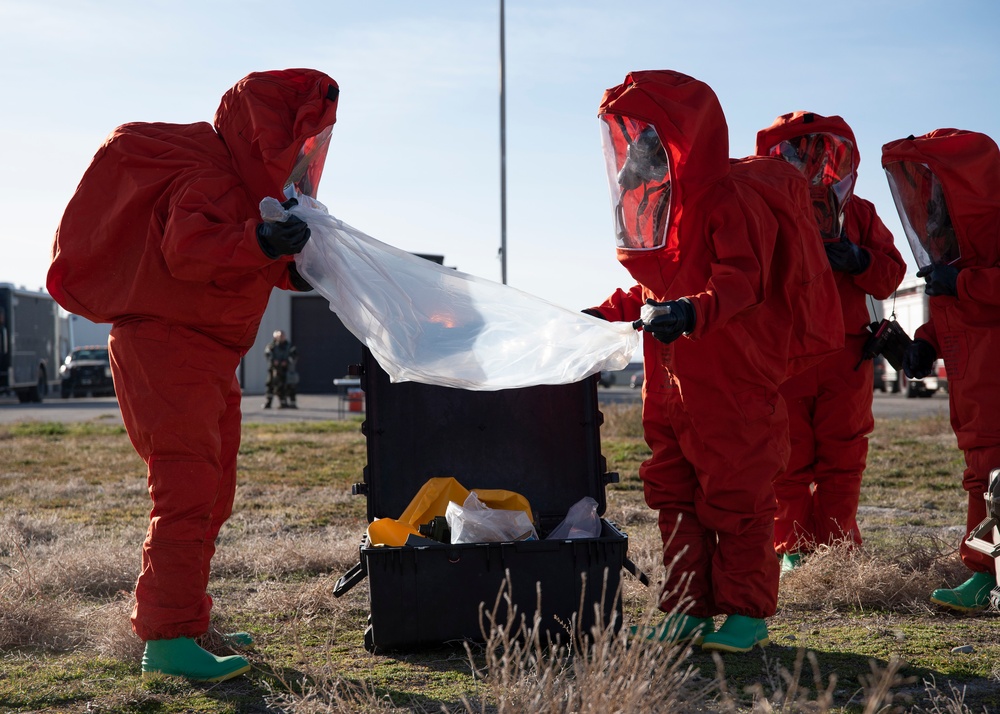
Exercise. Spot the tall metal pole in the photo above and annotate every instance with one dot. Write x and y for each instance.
(503, 156)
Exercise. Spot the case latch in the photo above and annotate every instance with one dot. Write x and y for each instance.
(361, 489)
(611, 477)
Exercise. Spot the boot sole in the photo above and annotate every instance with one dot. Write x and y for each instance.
(720, 647)
(677, 641)
(649, 634)
(146, 674)
(957, 608)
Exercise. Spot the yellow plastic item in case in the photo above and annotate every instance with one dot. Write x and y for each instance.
(432, 500)
(389, 531)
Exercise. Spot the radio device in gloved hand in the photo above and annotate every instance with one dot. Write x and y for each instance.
(887, 339)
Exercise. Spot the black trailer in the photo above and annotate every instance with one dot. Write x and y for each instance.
(31, 341)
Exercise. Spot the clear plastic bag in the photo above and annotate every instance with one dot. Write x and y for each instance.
(475, 522)
(581, 521)
(427, 323)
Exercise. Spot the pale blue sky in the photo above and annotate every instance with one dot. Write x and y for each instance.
(414, 159)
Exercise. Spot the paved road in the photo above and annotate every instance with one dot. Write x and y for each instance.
(884, 406)
(311, 408)
(897, 406)
(320, 407)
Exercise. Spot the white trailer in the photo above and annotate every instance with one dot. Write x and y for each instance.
(911, 306)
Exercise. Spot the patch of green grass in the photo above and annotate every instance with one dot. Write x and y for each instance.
(55, 429)
(625, 451)
(347, 426)
(37, 428)
(76, 680)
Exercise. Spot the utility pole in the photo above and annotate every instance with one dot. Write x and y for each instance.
(503, 156)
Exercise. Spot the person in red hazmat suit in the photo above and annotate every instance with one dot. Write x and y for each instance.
(830, 404)
(946, 186)
(722, 275)
(163, 238)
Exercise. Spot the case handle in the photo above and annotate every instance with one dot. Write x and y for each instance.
(634, 569)
(349, 579)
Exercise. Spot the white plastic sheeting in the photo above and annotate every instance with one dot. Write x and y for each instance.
(427, 323)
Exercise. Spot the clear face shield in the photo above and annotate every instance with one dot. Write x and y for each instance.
(305, 176)
(827, 162)
(923, 211)
(639, 179)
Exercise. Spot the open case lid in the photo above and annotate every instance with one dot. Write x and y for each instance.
(542, 442)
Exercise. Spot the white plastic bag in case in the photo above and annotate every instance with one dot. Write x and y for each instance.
(475, 522)
(581, 521)
(427, 323)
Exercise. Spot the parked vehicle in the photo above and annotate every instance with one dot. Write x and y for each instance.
(926, 387)
(623, 376)
(87, 370)
(32, 339)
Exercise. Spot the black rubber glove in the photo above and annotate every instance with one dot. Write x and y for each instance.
(919, 359)
(941, 280)
(593, 312)
(847, 257)
(672, 319)
(282, 238)
(298, 282)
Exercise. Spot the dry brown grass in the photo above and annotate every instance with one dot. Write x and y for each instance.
(28, 621)
(280, 554)
(622, 420)
(840, 577)
(110, 631)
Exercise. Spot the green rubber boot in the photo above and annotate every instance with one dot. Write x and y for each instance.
(737, 634)
(676, 628)
(182, 657)
(970, 596)
(790, 561)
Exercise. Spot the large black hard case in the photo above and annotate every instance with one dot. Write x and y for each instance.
(542, 442)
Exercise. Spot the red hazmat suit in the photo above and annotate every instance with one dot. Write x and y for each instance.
(160, 240)
(738, 243)
(830, 404)
(964, 329)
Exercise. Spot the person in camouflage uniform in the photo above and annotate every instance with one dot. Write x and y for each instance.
(281, 357)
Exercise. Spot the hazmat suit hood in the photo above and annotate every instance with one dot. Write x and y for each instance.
(687, 117)
(276, 122)
(825, 151)
(963, 168)
(689, 122)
